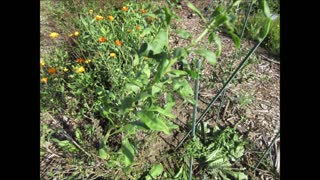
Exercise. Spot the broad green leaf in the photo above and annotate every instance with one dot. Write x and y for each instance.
(130, 87)
(183, 34)
(155, 89)
(235, 39)
(265, 8)
(179, 53)
(265, 29)
(159, 42)
(208, 55)
(161, 69)
(103, 153)
(220, 19)
(155, 171)
(154, 123)
(168, 14)
(193, 8)
(216, 39)
(135, 60)
(128, 152)
(162, 111)
(177, 73)
(145, 32)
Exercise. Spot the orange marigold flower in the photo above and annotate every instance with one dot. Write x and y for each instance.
(79, 70)
(143, 11)
(111, 18)
(98, 17)
(112, 55)
(118, 43)
(102, 39)
(124, 8)
(52, 70)
(80, 60)
(53, 35)
(138, 27)
(45, 80)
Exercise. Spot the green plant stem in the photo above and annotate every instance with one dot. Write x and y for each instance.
(236, 52)
(222, 89)
(194, 116)
(266, 151)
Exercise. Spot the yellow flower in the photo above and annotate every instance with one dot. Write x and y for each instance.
(70, 35)
(79, 70)
(90, 11)
(42, 63)
(52, 70)
(124, 8)
(88, 61)
(138, 27)
(76, 33)
(143, 11)
(45, 80)
(112, 55)
(98, 18)
(118, 43)
(65, 69)
(111, 18)
(54, 35)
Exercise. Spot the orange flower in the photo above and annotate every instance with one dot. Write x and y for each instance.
(124, 8)
(52, 70)
(111, 18)
(102, 39)
(118, 43)
(80, 60)
(45, 80)
(143, 11)
(112, 55)
(98, 18)
(138, 27)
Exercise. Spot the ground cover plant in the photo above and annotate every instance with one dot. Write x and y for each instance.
(110, 81)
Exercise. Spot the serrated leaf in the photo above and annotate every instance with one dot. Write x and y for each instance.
(128, 152)
(193, 8)
(216, 39)
(155, 171)
(208, 55)
(183, 34)
(265, 8)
